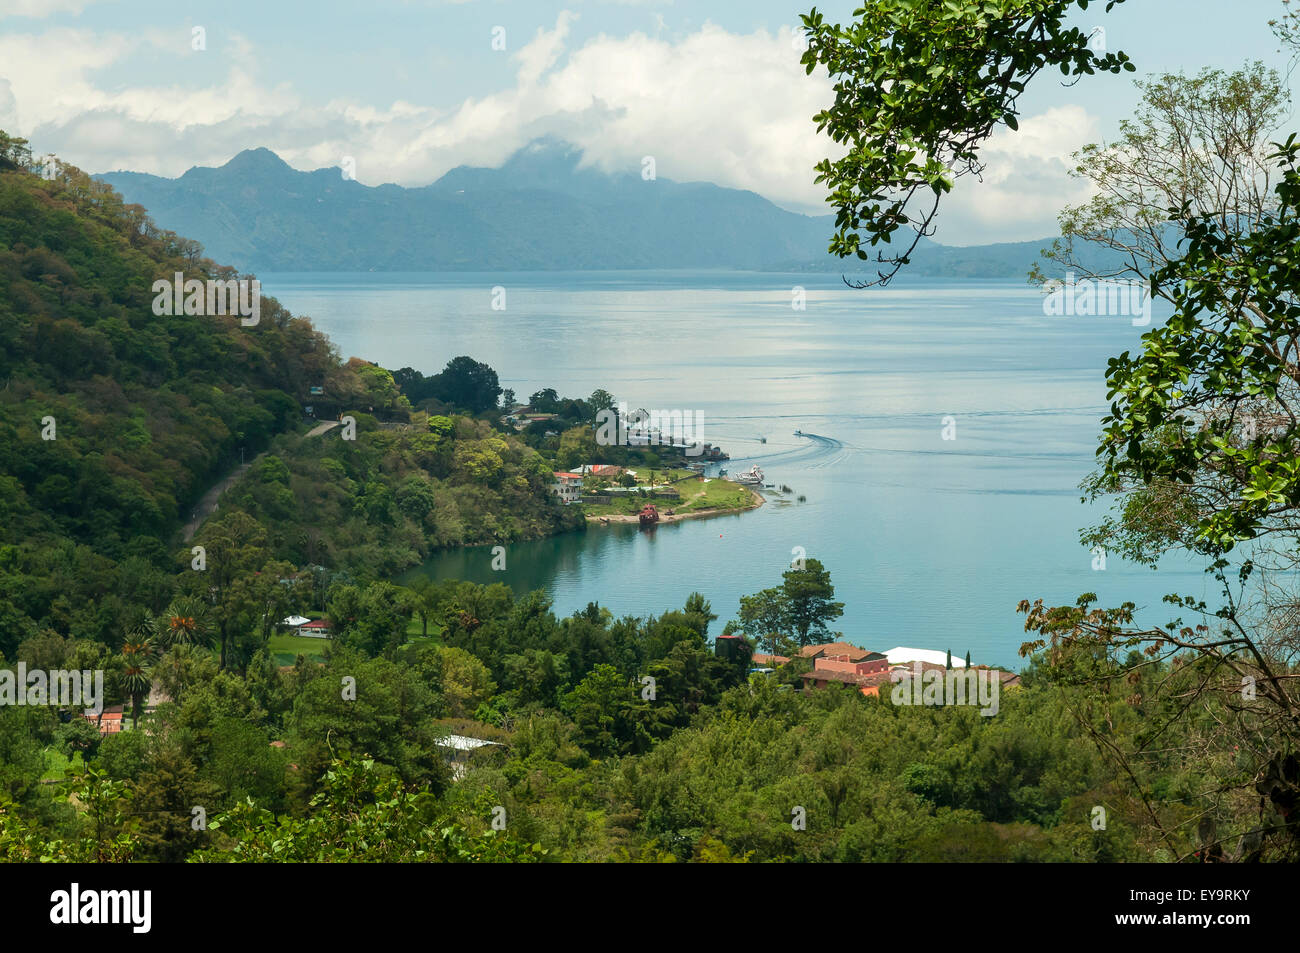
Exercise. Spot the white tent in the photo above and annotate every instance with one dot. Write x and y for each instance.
(295, 620)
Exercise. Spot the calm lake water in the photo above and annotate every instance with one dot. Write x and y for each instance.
(930, 542)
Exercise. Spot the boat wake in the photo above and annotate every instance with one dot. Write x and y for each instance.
(820, 452)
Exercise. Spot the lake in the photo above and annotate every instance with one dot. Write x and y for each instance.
(930, 542)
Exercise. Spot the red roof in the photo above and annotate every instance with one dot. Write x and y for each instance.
(875, 680)
(852, 653)
(109, 722)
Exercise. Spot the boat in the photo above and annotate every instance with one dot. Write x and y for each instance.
(800, 433)
(754, 477)
(648, 515)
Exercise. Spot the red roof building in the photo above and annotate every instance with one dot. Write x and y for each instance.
(836, 650)
(866, 684)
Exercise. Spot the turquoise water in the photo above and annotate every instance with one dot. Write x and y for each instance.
(930, 542)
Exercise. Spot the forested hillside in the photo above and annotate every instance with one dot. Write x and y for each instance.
(598, 738)
(115, 420)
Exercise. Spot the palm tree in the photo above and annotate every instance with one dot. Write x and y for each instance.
(137, 652)
(137, 648)
(184, 622)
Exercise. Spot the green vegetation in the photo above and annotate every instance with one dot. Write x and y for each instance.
(695, 494)
(636, 738)
(919, 87)
(383, 502)
(1201, 450)
(708, 765)
(285, 649)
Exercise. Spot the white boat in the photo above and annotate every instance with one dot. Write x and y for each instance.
(754, 477)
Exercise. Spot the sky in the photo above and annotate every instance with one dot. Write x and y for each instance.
(409, 89)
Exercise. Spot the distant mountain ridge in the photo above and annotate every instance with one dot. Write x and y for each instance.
(538, 212)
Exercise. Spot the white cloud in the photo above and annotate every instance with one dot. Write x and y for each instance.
(1025, 181)
(735, 109)
(540, 55)
(36, 9)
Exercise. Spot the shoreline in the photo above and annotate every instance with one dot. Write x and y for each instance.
(758, 500)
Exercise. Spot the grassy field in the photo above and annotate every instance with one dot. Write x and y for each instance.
(56, 761)
(287, 647)
(711, 494)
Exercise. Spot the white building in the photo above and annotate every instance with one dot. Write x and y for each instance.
(567, 486)
(902, 655)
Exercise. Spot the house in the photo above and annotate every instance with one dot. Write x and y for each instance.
(317, 629)
(609, 471)
(835, 650)
(1007, 679)
(824, 674)
(109, 721)
(567, 486)
(951, 683)
(871, 663)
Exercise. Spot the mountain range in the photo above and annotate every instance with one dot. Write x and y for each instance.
(539, 211)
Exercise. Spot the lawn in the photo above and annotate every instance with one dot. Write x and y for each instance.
(56, 761)
(285, 648)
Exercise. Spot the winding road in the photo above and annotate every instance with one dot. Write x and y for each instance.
(207, 504)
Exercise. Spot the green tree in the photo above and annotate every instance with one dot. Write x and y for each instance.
(600, 706)
(763, 615)
(236, 547)
(919, 87)
(186, 621)
(545, 401)
(599, 400)
(463, 681)
(360, 814)
(373, 619)
(807, 596)
(467, 383)
(163, 799)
